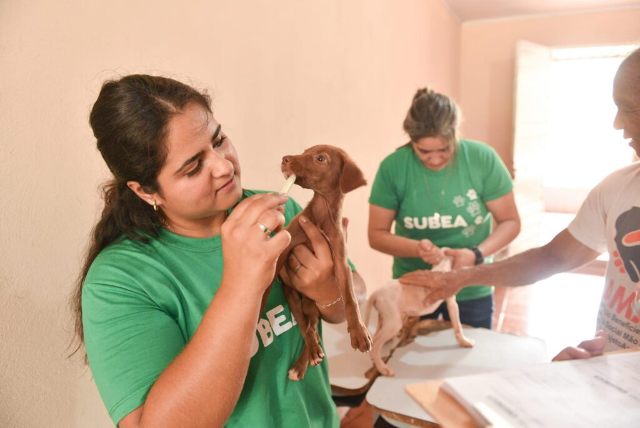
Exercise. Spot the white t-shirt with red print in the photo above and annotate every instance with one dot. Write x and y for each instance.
(609, 220)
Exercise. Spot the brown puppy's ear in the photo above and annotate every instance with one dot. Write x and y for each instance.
(352, 177)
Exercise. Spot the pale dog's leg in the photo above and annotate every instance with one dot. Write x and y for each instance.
(385, 333)
(452, 307)
(454, 314)
(386, 302)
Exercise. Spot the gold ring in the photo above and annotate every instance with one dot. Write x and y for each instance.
(264, 228)
(297, 268)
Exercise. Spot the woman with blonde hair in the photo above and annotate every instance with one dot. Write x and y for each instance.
(442, 191)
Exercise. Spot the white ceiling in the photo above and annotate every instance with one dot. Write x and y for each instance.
(470, 10)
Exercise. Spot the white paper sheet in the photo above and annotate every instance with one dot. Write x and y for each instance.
(598, 392)
(438, 355)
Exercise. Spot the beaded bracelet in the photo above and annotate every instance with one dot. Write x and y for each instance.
(329, 304)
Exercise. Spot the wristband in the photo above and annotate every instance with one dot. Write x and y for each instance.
(479, 256)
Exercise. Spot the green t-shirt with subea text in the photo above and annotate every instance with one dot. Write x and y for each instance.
(448, 206)
(142, 303)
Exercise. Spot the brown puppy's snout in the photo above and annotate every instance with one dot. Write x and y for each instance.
(286, 160)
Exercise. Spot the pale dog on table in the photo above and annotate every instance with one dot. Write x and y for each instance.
(395, 303)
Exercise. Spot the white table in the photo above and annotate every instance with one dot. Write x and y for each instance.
(436, 355)
(347, 368)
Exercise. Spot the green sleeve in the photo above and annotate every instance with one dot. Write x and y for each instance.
(384, 191)
(292, 209)
(496, 176)
(129, 343)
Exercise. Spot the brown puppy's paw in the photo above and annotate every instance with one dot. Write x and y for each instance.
(316, 354)
(297, 372)
(360, 338)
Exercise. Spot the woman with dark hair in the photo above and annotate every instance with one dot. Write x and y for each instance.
(169, 298)
(442, 191)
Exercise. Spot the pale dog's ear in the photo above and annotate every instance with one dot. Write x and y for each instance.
(351, 177)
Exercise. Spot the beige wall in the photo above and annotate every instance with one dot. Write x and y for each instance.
(285, 75)
(488, 58)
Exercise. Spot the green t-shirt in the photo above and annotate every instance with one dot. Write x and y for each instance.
(142, 303)
(457, 193)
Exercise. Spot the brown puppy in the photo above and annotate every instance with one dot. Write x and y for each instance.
(330, 173)
(395, 303)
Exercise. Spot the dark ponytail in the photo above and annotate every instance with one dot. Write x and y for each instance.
(130, 121)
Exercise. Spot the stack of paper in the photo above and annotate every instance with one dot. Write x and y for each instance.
(598, 392)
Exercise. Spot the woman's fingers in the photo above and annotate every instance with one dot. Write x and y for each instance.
(293, 263)
(586, 348)
(241, 207)
(449, 252)
(571, 353)
(280, 241)
(261, 213)
(270, 221)
(311, 269)
(284, 275)
(596, 345)
(251, 248)
(302, 257)
(426, 245)
(429, 252)
(252, 208)
(461, 257)
(318, 242)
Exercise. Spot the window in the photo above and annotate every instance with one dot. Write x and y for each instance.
(581, 145)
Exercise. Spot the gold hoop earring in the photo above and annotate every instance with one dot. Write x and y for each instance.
(155, 207)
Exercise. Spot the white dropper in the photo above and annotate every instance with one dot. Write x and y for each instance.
(287, 185)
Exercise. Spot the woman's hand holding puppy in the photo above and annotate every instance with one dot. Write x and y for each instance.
(311, 272)
(250, 253)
